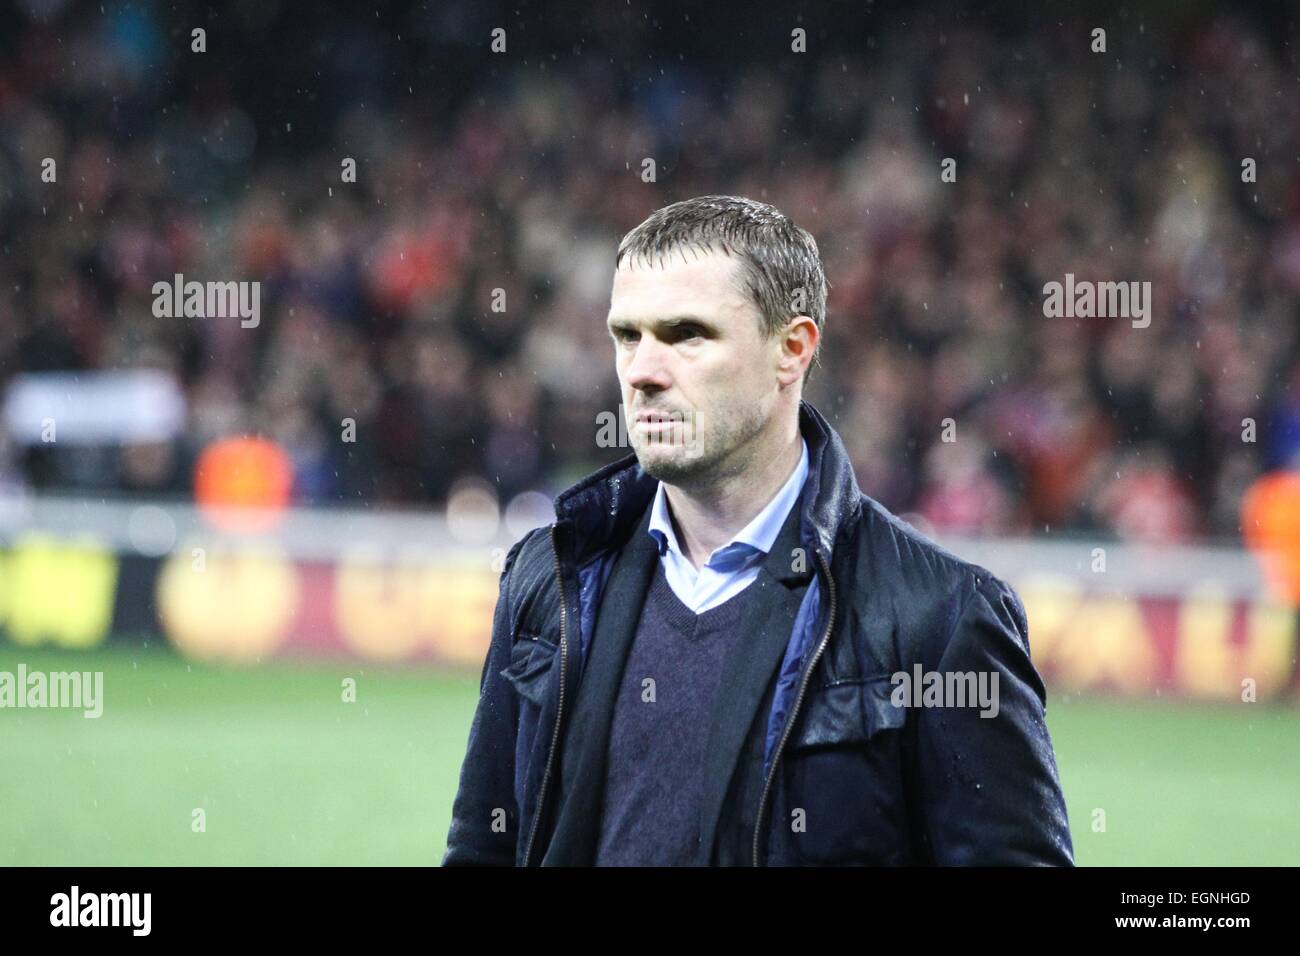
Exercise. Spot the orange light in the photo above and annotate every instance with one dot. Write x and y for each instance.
(243, 484)
(1270, 523)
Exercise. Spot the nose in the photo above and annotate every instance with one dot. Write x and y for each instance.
(647, 369)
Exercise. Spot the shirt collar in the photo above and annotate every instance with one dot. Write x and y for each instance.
(755, 538)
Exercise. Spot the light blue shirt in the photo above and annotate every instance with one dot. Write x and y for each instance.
(734, 566)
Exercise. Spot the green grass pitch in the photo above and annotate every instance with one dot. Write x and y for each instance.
(287, 773)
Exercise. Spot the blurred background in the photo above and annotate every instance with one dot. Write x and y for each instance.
(433, 224)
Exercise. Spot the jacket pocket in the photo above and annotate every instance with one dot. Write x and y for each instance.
(847, 713)
(530, 666)
(844, 799)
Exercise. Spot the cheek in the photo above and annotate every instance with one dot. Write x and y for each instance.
(726, 382)
(743, 375)
(729, 368)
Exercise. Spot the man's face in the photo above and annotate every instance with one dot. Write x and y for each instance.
(698, 379)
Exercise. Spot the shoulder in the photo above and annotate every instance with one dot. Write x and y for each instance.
(528, 576)
(894, 568)
(899, 551)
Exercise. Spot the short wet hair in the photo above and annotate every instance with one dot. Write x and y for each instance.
(780, 266)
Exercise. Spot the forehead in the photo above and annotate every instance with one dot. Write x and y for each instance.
(685, 281)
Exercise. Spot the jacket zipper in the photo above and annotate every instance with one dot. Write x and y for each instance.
(559, 709)
(794, 712)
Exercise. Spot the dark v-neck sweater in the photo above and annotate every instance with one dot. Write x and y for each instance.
(662, 715)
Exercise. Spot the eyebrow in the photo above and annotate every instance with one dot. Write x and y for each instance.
(629, 325)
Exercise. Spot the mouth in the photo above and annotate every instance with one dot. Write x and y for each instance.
(657, 419)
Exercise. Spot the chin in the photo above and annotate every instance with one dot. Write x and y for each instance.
(671, 465)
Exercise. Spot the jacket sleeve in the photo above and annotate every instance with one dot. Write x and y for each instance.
(484, 818)
(990, 790)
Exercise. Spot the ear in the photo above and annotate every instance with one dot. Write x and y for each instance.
(797, 343)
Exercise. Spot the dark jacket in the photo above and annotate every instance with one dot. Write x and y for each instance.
(808, 761)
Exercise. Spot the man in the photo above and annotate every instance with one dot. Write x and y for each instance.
(700, 661)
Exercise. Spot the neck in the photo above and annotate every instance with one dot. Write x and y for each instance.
(707, 517)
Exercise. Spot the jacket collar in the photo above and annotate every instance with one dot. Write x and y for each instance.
(601, 511)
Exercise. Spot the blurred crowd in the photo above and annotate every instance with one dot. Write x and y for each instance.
(520, 171)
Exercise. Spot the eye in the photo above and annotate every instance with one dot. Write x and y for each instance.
(684, 333)
(624, 335)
